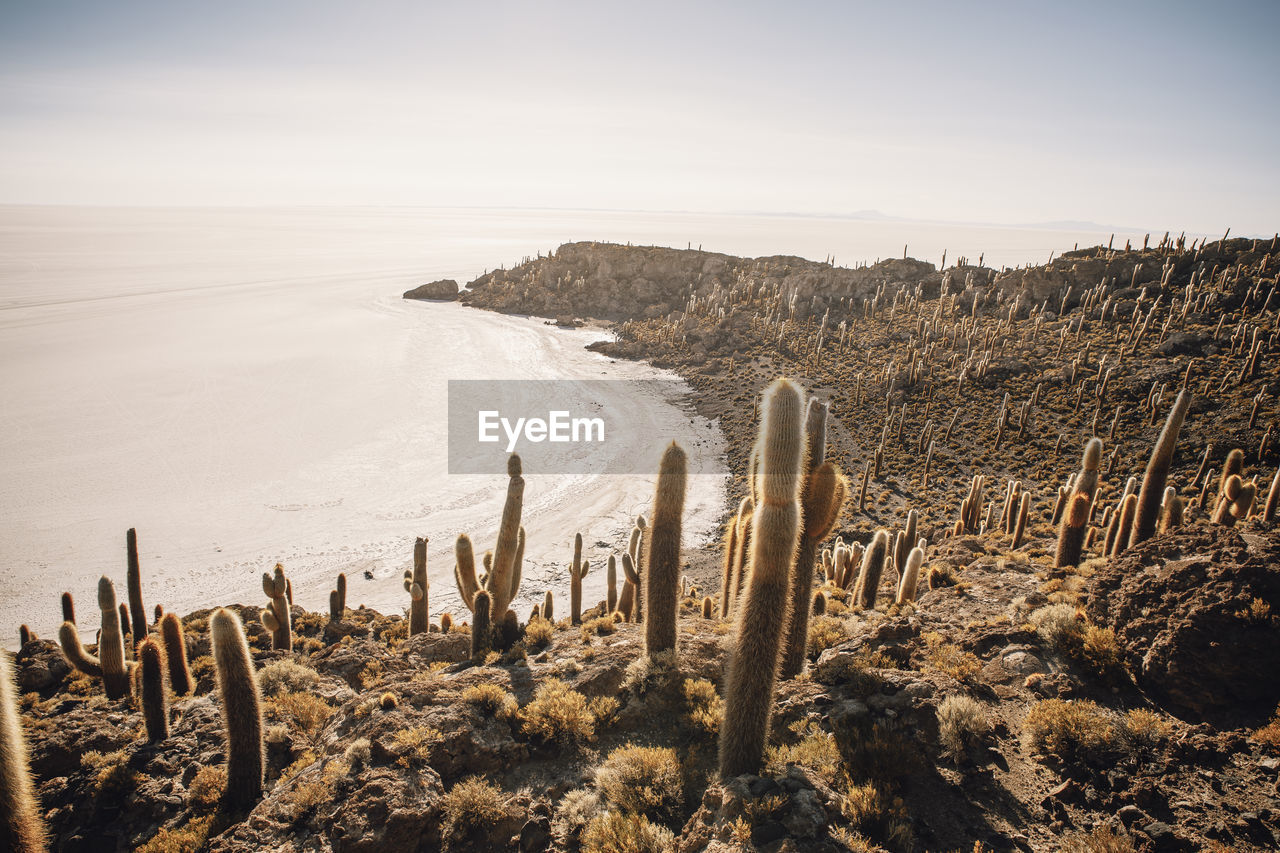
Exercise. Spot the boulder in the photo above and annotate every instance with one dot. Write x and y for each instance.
(445, 289)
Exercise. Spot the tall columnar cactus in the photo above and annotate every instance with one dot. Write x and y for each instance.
(338, 599)
(730, 563)
(276, 616)
(611, 593)
(906, 541)
(21, 828)
(910, 576)
(73, 650)
(155, 693)
(1087, 479)
(1020, 526)
(503, 581)
(822, 495)
(175, 652)
(115, 677)
(1153, 482)
(1124, 523)
(135, 588)
(1170, 510)
(481, 624)
(416, 584)
(577, 571)
(762, 615)
(1270, 508)
(549, 607)
(873, 560)
(627, 604)
(741, 536)
(464, 569)
(662, 573)
(1075, 520)
(241, 710)
(68, 608)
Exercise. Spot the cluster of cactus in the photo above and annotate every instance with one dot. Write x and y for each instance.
(503, 568)
(276, 616)
(1078, 507)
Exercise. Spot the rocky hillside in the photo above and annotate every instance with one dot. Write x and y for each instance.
(999, 655)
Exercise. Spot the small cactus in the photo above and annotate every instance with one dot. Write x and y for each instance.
(1124, 523)
(115, 677)
(873, 560)
(549, 607)
(155, 693)
(910, 576)
(708, 607)
(446, 622)
(577, 571)
(1071, 532)
(241, 710)
(175, 651)
(819, 602)
(73, 650)
(418, 587)
(481, 626)
(338, 599)
(276, 616)
(1020, 526)
(611, 595)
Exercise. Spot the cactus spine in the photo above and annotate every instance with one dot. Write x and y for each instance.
(416, 584)
(481, 624)
(577, 571)
(762, 615)
(155, 693)
(135, 588)
(241, 710)
(276, 616)
(21, 829)
(662, 573)
(175, 651)
(115, 678)
(910, 576)
(1157, 474)
(822, 497)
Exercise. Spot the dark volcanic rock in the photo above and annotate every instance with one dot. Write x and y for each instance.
(445, 288)
(1183, 609)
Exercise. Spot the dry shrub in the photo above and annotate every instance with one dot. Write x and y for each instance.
(1103, 839)
(816, 749)
(1059, 625)
(1069, 727)
(558, 713)
(872, 812)
(414, 745)
(206, 787)
(305, 711)
(705, 707)
(539, 633)
(1101, 653)
(824, 632)
(1269, 735)
(491, 699)
(643, 780)
(962, 722)
(473, 804)
(1145, 730)
(601, 626)
(188, 838)
(950, 659)
(286, 676)
(617, 832)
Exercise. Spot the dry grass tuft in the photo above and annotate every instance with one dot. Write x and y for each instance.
(643, 780)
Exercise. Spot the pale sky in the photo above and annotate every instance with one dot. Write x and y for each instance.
(1152, 115)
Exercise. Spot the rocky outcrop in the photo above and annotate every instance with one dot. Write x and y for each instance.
(1194, 613)
(445, 289)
